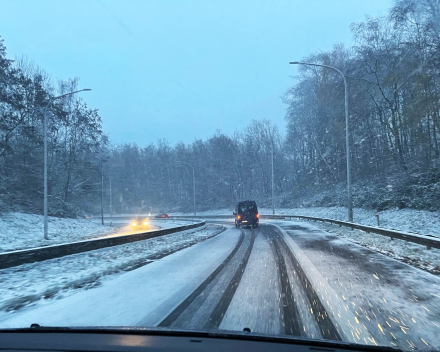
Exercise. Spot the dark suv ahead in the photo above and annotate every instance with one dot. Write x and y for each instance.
(246, 213)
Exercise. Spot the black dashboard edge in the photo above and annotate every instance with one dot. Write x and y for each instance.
(217, 334)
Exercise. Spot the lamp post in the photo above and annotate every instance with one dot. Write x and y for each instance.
(273, 192)
(45, 154)
(347, 135)
(194, 184)
(110, 199)
(102, 194)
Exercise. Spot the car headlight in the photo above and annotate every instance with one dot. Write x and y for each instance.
(145, 223)
(134, 224)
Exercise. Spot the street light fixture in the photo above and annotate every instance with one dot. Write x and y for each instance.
(347, 135)
(194, 185)
(45, 153)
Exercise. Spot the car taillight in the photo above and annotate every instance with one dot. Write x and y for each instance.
(238, 217)
(258, 215)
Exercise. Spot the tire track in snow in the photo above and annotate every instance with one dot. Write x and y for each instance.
(175, 314)
(326, 326)
(207, 305)
(220, 310)
(289, 312)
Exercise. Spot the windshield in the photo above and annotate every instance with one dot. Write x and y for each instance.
(139, 138)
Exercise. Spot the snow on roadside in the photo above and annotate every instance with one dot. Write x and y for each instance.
(23, 231)
(409, 220)
(26, 284)
(410, 253)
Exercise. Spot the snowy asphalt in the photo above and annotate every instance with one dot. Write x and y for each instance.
(287, 278)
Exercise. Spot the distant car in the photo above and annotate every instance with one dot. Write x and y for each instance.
(246, 213)
(139, 223)
(162, 216)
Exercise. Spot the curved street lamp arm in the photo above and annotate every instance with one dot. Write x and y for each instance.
(61, 96)
(318, 65)
(182, 162)
(64, 95)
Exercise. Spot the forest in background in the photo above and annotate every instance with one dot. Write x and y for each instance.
(393, 76)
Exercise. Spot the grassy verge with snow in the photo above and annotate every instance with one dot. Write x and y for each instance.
(22, 231)
(410, 253)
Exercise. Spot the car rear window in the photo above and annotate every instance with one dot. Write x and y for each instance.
(244, 207)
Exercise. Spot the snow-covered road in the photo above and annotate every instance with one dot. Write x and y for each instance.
(282, 278)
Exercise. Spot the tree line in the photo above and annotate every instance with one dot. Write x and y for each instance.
(393, 75)
(75, 141)
(226, 169)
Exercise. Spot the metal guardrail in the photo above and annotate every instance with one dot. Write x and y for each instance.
(179, 217)
(428, 241)
(15, 258)
(150, 218)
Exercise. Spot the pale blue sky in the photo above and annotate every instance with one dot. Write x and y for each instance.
(179, 70)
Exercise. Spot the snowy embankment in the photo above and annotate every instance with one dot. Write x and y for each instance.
(24, 231)
(57, 278)
(21, 231)
(409, 220)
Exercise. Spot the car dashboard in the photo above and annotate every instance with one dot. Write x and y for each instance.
(145, 340)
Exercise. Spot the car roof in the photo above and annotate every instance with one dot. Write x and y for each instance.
(250, 202)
